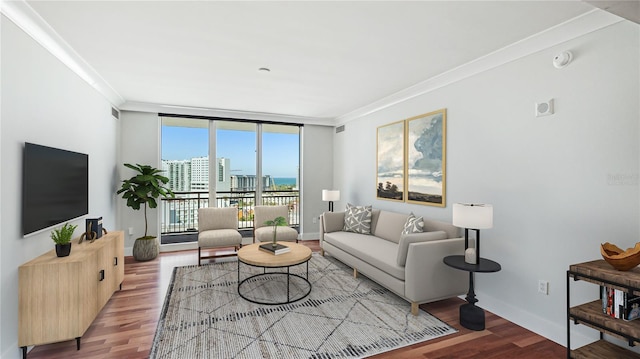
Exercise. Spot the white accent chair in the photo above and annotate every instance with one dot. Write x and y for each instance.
(264, 233)
(217, 228)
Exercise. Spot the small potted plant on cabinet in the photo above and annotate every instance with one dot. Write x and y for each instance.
(62, 238)
(142, 190)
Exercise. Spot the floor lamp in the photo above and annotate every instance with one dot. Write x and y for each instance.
(330, 196)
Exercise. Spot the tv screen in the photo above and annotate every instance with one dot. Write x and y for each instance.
(55, 186)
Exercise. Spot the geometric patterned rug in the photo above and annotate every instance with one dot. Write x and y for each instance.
(343, 317)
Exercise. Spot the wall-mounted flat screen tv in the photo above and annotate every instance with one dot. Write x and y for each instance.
(55, 186)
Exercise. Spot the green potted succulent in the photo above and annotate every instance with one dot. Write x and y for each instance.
(62, 238)
(142, 190)
(278, 221)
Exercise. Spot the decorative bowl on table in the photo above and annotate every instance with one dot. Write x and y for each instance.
(620, 259)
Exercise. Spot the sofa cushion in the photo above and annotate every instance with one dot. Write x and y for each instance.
(375, 214)
(390, 225)
(413, 224)
(406, 239)
(357, 219)
(377, 252)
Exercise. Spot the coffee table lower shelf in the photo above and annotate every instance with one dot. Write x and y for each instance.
(288, 274)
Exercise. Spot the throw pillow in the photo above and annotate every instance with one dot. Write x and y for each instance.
(413, 224)
(357, 219)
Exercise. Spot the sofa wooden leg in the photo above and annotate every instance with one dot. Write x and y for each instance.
(199, 256)
(414, 308)
(355, 273)
(322, 252)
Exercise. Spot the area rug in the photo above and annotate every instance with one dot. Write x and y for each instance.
(343, 317)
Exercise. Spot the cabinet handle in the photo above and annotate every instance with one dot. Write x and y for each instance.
(101, 275)
(115, 261)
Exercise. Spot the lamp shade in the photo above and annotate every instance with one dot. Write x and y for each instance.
(330, 195)
(474, 216)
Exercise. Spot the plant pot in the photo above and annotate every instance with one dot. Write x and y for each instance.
(145, 248)
(63, 250)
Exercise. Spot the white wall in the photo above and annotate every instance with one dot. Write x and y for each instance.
(139, 144)
(552, 180)
(317, 159)
(45, 103)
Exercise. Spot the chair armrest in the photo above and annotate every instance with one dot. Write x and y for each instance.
(427, 278)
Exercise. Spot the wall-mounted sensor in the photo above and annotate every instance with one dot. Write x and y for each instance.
(562, 59)
(544, 108)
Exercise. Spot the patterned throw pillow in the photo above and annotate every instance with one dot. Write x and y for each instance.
(357, 219)
(413, 224)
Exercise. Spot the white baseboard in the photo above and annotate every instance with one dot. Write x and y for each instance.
(310, 236)
(174, 247)
(13, 353)
(528, 320)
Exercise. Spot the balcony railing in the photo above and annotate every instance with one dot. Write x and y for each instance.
(180, 214)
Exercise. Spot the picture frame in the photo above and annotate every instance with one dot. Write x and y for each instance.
(425, 165)
(390, 164)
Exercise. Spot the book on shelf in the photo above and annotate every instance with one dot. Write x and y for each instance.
(278, 249)
(620, 304)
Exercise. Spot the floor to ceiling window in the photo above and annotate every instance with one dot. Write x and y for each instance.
(281, 165)
(255, 163)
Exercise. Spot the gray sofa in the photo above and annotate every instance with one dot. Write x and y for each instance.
(410, 265)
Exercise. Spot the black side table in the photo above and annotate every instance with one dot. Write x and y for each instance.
(471, 316)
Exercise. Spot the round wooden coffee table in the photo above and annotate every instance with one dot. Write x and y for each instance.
(253, 256)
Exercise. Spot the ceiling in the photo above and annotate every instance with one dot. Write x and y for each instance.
(326, 59)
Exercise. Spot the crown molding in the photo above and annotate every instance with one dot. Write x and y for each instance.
(27, 19)
(588, 22)
(212, 112)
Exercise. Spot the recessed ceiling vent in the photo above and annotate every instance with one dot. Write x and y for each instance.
(115, 113)
(340, 129)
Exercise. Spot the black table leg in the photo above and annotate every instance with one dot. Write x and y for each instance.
(288, 276)
(471, 316)
(24, 352)
(471, 294)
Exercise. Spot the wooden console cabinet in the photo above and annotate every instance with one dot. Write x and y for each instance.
(59, 297)
(590, 314)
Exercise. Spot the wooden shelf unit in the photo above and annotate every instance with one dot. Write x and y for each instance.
(590, 314)
(59, 297)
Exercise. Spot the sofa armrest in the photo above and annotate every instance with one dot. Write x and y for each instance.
(406, 239)
(427, 278)
(332, 221)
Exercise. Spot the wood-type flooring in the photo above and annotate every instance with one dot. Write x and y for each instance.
(126, 325)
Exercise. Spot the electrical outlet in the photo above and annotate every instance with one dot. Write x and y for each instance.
(315, 219)
(130, 230)
(543, 287)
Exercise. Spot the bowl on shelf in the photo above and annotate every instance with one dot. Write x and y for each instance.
(620, 259)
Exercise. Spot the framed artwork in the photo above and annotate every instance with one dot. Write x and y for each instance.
(426, 159)
(390, 162)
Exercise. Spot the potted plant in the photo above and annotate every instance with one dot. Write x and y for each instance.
(62, 238)
(143, 190)
(278, 221)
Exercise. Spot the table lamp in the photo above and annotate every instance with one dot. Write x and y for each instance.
(476, 217)
(330, 196)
